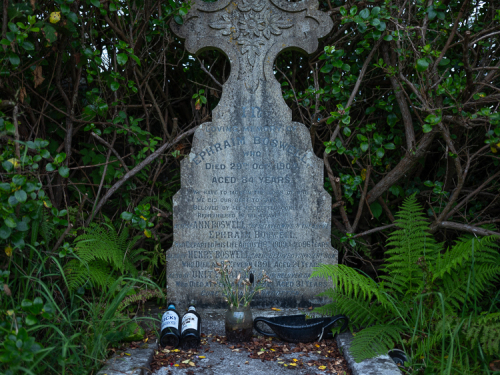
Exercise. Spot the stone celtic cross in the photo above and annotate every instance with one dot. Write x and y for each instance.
(252, 33)
(251, 187)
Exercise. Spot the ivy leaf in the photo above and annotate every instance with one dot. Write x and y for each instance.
(445, 61)
(50, 167)
(376, 209)
(126, 215)
(362, 28)
(122, 58)
(95, 3)
(380, 152)
(10, 222)
(426, 128)
(327, 68)
(347, 132)
(381, 26)
(389, 146)
(375, 22)
(365, 13)
(431, 13)
(378, 138)
(392, 119)
(21, 196)
(114, 86)
(50, 33)
(364, 146)
(28, 46)
(64, 171)
(178, 19)
(5, 232)
(343, 11)
(14, 59)
(31, 320)
(422, 65)
(375, 11)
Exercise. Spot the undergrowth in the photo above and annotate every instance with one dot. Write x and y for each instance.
(434, 303)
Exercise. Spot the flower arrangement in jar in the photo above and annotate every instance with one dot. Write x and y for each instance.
(238, 292)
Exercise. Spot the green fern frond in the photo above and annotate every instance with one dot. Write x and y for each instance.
(485, 331)
(410, 244)
(375, 340)
(350, 280)
(361, 312)
(47, 228)
(484, 249)
(102, 253)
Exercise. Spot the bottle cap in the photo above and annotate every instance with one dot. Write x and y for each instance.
(192, 308)
(171, 306)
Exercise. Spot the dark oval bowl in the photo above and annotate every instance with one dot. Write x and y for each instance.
(295, 328)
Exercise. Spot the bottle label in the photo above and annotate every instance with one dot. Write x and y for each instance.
(189, 321)
(169, 320)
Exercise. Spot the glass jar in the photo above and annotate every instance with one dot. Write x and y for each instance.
(239, 324)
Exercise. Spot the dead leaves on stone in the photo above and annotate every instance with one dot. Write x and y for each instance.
(323, 355)
(318, 357)
(170, 357)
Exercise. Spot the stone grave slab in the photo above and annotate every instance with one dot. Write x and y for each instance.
(251, 188)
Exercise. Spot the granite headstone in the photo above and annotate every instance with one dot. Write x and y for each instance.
(251, 188)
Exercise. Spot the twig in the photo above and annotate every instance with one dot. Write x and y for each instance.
(202, 63)
(61, 239)
(362, 200)
(111, 148)
(467, 228)
(102, 179)
(374, 230)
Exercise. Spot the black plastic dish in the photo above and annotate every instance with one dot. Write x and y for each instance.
(398, 356)
(295, 328)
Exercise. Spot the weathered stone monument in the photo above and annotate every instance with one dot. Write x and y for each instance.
(251, 188)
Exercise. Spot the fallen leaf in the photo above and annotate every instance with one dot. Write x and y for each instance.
(22, 94)
(201, 356)
(295, 360)
(322, 367)
(55, 17)
(37, 73)
(191, 364)
(275, 309)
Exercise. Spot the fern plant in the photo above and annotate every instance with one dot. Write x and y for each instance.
(102, 254)
(420, 298)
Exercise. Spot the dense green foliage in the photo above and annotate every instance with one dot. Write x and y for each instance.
(98, 104)
(435, 304)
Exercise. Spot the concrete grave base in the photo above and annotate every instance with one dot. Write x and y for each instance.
(381, 365)
(224, 361)
(133, 362)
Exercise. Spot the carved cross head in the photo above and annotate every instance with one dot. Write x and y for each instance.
(252, 33)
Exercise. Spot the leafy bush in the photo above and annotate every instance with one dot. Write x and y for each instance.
(429, 301)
